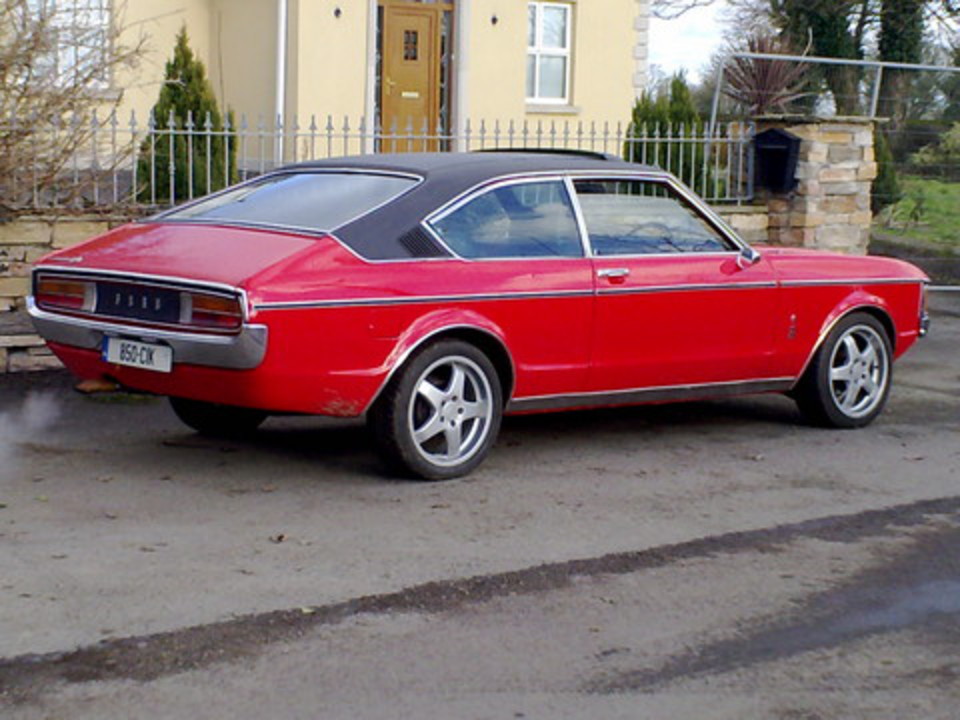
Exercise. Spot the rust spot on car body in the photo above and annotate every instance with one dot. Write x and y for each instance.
(339, 407)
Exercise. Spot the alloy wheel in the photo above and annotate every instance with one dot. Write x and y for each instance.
(450, 411)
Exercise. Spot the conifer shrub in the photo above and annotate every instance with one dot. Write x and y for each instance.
(190, 151)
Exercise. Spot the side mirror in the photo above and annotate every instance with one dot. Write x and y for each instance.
(747, 257)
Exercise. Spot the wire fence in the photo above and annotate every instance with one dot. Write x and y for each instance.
(919, 190)
(916, 108)
(107, 164)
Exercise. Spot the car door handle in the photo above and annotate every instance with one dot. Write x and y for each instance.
(613, 273)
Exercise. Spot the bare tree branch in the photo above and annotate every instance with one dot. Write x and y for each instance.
(55, 79)
(672, 9)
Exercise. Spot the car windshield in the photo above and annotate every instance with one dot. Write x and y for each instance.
(308, 200)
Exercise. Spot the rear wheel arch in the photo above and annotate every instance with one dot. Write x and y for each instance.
(493, 348)
(439, 414)
(484, 340)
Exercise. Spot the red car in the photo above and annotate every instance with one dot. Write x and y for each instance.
(431, 293)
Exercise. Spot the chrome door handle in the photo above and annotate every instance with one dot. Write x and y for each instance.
(613, 273)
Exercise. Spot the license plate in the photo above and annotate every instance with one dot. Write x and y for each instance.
(132, 353)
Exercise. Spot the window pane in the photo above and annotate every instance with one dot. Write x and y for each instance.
(531, 25)
(554, 27)
(634, 218)
(553, 77)
(531, 76)
(315, 201)
(525, 220)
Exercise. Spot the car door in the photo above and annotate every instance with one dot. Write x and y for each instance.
(522, 265)
(677, 305)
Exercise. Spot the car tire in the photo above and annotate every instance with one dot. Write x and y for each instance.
(848, 380)
(440, 414)
(216, 420)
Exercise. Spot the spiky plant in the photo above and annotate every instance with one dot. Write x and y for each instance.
(763, 86)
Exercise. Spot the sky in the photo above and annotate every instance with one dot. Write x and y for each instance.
(687, 42)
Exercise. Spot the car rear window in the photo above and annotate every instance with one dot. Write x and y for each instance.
(311, 201)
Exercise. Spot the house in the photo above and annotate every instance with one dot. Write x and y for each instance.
(431, 65)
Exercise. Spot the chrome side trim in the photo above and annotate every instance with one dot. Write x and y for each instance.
(639, 396)
(685, 288)
(489, 297)
(243, 351)
(851, 281)
(402, 359)
(424, 299)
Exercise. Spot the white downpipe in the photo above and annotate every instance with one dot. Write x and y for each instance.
(370, 91)
(281, 100)
(461, 59)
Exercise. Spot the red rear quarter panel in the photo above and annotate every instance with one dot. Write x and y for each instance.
(340, 324)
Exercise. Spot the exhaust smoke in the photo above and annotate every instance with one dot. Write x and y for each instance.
(38, 412)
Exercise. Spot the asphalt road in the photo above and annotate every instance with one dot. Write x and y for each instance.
(708, 560)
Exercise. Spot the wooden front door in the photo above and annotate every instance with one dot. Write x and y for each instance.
(410, 80)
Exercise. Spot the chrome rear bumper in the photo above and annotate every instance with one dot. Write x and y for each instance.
(243, 351)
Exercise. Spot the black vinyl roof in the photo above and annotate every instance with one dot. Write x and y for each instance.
(477, 166)
(393, 232)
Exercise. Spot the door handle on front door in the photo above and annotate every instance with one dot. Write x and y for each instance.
(613, 273)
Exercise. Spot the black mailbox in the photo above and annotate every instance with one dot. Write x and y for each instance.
(777, 152)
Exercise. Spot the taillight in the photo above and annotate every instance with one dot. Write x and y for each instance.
(217, 312)
(62, 294)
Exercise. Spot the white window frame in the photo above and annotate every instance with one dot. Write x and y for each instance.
(537, 50)
(76, 38)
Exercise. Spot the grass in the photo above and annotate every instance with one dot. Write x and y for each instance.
(926, 218)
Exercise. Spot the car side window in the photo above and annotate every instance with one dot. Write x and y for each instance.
(638, 217)
(533, 219)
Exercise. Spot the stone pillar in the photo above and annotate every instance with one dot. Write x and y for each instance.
(641, 49)
(830, 207)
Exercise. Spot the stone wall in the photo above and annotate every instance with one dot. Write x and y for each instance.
(751, 222)
(22, 242)
(27, 239)
(830, 207)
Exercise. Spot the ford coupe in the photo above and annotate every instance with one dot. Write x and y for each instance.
(432, 293)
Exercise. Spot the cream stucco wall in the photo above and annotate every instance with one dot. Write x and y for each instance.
(242, 55)
(157, 22)
(328, 69)
(603, 67)
(329, 58)
(603, 63)
(235, 39)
